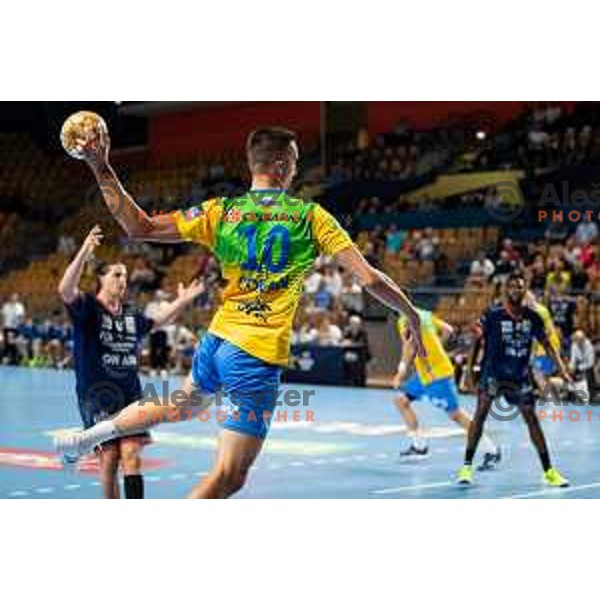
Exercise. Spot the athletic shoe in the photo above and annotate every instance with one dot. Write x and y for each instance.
(554, 479)
(465, 475)
(72, 446)
(414, 451)
(490, 460)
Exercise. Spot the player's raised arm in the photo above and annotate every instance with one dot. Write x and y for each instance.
(185, 296)
(136, 222)
(69, 284)
(380, 286)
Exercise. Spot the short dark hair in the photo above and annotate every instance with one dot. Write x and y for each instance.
(515, 276)
(267, 145)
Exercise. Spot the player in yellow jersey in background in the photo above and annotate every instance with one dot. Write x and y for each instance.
(543, 368)
(431, 380)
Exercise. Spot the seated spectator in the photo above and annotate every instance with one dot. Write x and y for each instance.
(322, 300)
(394, 240)
(66, 245)
(559, 277)
(142, 278)
(537, 274)
(312, 283)
(351, 298)
(557, 232)
(333, 281)
(328, 333)
(504, 267)
(482, 269)
(586, 232)
(425, 247)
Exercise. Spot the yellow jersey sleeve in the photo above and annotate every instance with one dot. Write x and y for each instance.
(329, 235)
(199, 225)
(440, 326)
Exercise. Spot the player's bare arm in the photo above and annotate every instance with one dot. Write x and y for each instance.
(136, 222)
(554, 354)
(409, 352)
(69, 284)
(185, 296)
(473, 365)
(381, 287)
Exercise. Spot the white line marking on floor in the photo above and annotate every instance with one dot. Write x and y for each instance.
(554, 491)
(44, 490)
(297, 463)
(18, 494)
(152, 478)
(414, 488)
(178, 476)
(72, 486)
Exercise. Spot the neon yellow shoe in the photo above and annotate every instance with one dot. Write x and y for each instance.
(465, 475)
(554, 479)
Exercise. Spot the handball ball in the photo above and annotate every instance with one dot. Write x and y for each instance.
(81, 132)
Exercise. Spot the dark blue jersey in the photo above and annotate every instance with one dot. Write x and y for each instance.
(105, 354)
(508, 342)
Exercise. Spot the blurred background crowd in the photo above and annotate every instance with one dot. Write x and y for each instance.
(423, 195)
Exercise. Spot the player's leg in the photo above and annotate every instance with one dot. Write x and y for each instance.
(551, 475)
(492, 453)
(138, 417)
(251, 390)
(108, 458)
(135, 419)
(236, 455)
(131, 462)
(484, 403)
(410, 392)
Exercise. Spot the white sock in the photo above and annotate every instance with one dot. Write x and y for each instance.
(418, 440)
(101, 432)
(487, 445)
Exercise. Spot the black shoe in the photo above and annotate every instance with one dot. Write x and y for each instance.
(414, 451)
(490, 460)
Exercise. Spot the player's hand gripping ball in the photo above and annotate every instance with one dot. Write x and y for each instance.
(82, 134)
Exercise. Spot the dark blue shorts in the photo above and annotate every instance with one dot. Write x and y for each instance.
(249, 386)
(517, 392)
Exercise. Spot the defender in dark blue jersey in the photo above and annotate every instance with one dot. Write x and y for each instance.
(107, 333)
(507, 332)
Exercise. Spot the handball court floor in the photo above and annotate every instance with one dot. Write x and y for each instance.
(350, 451)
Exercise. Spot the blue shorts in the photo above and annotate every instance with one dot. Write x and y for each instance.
(545, 365)
(249, 386)
(441, 393)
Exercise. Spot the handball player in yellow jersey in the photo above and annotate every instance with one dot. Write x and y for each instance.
(432, 381)
(266, 241)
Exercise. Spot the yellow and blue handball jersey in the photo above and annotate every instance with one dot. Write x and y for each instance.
(265, 242)
(550, 329)
(437, 365)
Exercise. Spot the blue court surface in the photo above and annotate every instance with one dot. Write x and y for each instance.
(349, 451)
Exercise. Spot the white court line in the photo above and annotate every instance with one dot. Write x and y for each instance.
(414, 488)
(554, 491)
